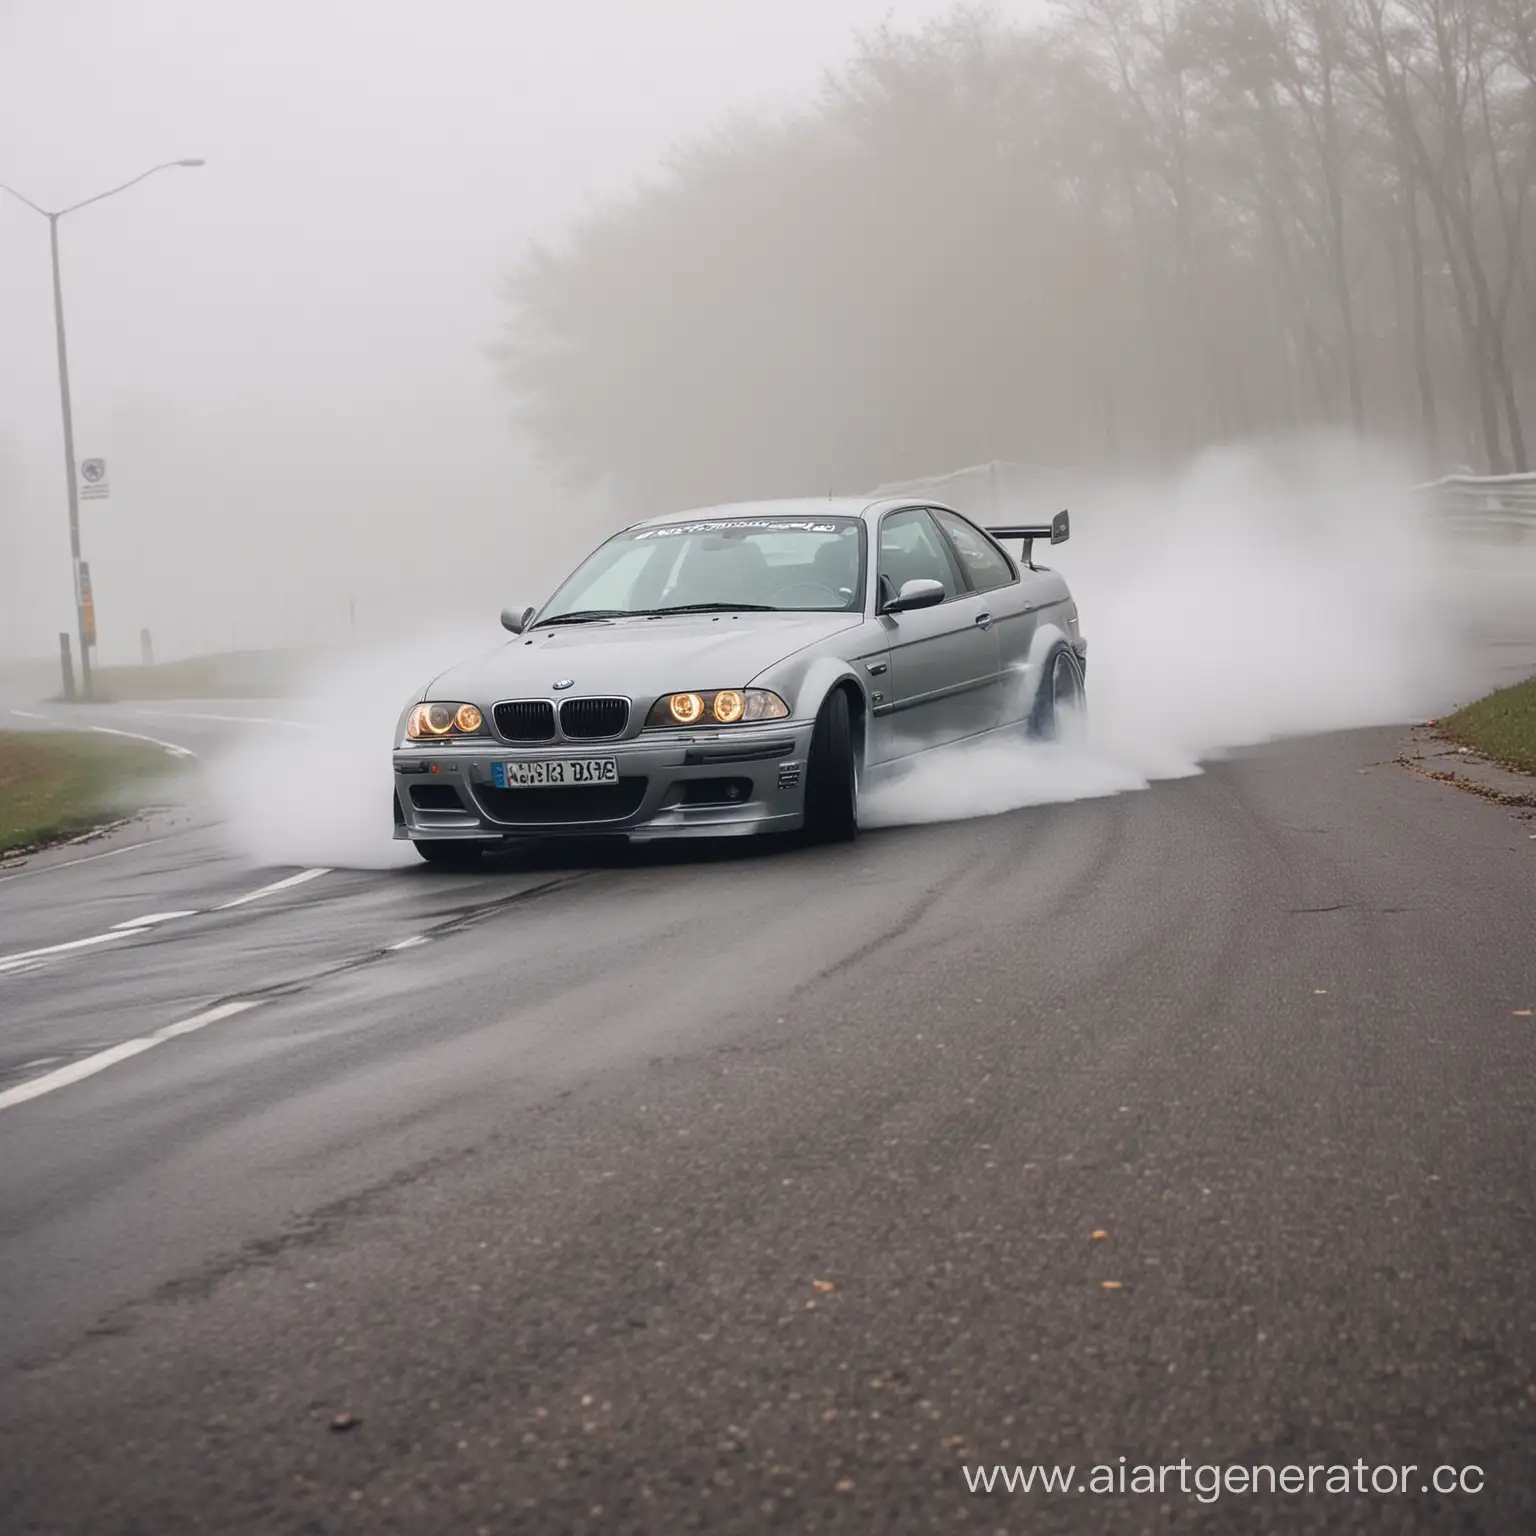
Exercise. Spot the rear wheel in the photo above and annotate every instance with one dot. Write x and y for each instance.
(450, 855)
(1062, 704)
(832, 775)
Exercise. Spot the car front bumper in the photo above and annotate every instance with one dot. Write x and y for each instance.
(729, 782)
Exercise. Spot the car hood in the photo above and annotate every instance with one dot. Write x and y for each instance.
(638, 657)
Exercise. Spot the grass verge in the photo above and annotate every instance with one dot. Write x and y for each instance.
(54, 784)
(1501, 726)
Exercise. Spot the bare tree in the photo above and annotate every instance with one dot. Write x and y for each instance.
(1426, 58)
(1151, 225)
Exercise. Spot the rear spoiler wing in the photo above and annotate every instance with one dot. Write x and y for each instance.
(1058, 531)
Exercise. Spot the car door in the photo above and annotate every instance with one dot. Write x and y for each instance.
(990, 571)
(943, 659)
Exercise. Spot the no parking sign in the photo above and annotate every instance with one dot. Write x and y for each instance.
(93, 480)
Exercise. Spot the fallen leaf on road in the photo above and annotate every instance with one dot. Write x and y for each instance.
(845, 1485)
(1522, 1013)
(343, 1422)
(1098, 1236)
(1111, 1285)
(1319, 991)
(825, 1285)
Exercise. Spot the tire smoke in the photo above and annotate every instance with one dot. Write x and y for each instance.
(323, 795)
(1270, 591)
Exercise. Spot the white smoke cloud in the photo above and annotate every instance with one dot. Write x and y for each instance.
(322, 795)
(1269, 591)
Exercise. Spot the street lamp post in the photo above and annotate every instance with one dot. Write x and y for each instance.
(70, 469)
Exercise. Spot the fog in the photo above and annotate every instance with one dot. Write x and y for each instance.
(463, 286)
(282, 354)
(1291, 589)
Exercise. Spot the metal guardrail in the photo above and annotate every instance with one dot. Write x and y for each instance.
(1484, 508)
(1498, 508)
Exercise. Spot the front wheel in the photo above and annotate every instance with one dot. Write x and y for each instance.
(832, 776)
(1062, 705)
(450, 855)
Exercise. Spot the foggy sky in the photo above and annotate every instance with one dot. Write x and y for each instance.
(280, 353)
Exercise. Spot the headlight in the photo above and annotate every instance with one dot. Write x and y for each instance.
(685, 708)
(433, 722)
(721, 706)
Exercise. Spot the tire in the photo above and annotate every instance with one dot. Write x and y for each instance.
(832, 776)
(1062, 702)
(446, 855)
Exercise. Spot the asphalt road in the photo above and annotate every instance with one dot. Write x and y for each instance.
(758, 1189)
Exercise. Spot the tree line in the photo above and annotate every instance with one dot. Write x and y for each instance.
(1111, 240)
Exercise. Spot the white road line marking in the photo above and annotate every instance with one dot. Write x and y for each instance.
(26, 714)
(154, 741)
(274, 888)
(91, 1065)
(24, 959)
(90, 858)
(15, 962)
(187, 714)
(202, 1020)
(410, 943)
(151, 919)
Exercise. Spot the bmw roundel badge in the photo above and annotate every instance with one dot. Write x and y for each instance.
(560, 684)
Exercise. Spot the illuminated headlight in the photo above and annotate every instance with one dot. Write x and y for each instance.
(722, 706)
(685, 708)
(433, 722)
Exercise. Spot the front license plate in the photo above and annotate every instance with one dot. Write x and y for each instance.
(571, 772)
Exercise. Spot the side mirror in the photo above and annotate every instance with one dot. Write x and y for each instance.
(920, 592)
(516, 619)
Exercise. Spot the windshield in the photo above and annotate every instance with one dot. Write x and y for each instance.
(718, 565)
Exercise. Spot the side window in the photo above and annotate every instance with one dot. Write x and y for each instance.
(912, 549)
(985, 564)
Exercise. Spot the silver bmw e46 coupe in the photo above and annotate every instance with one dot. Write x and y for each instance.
(740, 669)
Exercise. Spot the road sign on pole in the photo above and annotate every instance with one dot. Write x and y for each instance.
(94, 485)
